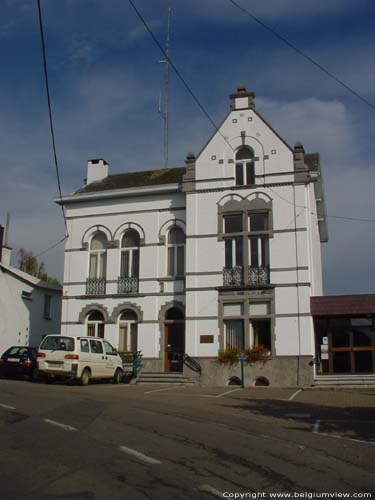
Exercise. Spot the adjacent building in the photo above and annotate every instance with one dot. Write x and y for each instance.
(29, 308)
(223, 253)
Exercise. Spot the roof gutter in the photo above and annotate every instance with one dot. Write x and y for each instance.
(117, 193)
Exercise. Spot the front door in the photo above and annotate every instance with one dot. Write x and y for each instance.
(345, 345)
(174, 346)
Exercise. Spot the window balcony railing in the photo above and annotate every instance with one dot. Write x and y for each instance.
(259, 276)
(233, 276)
(256, 276)
(127, 284)
(95, 286)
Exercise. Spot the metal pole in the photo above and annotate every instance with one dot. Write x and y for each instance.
(242, 375)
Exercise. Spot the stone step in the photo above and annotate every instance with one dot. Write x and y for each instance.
(163, 378)
(345, 380)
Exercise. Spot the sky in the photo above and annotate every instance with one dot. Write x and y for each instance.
(105, 82)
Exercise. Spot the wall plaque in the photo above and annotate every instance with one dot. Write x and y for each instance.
(207, 339)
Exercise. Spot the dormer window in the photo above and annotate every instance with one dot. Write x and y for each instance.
(245, 170)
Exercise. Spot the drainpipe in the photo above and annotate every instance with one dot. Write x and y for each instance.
(297, 276)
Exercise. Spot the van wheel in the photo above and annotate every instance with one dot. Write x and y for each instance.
(117, 377)
(85, 377)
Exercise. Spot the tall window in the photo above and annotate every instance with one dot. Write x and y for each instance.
(98, 256)
(176, 252)
(234, 334)
(47, 306)
(95, 324)
(246, 238)
(128, 332)
(233, 228)
(258, 239)
(130, 254)
(245, 170)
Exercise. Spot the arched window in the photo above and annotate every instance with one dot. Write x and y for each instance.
(130, 254)
(245, 171)
(129, 265)
(176, 252)
(95, 324)
(128, 332)
(98, 256)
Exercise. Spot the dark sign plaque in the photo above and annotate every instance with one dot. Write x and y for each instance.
(207, 339)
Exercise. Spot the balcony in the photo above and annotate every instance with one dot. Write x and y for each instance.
(127, 284)
(258, 276)
(95, 286)
(233, 276)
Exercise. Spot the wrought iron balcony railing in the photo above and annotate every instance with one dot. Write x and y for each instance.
(256, 276)
(259, 276)
(95, 286)
(233, 276)
(127, 284)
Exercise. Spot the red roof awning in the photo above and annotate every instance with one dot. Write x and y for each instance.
(343, 305)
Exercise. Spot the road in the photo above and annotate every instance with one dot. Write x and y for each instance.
(105, 442)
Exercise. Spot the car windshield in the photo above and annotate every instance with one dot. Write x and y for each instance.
(16, 351)
(58, 343)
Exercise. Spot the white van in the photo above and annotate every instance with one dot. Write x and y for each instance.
(80, 358)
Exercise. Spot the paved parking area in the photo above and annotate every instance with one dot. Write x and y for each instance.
(148, 441)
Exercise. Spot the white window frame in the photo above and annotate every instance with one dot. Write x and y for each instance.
(101, 260)
(175, 247)
(94, 323)
(128, 324)
(131, 251)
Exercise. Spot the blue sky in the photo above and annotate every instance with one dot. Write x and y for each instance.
(105, 83)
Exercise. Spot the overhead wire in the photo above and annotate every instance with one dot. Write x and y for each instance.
(205, 112)
(52, 247)
(41, 29)
(301, 53)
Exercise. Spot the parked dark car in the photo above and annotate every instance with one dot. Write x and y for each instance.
(19, 361)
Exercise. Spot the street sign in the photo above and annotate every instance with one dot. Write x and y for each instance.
(242, 357)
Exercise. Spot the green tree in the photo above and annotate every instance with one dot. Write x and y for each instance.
(28, 263)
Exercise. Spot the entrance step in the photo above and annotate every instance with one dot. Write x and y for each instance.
(356, 380)
(163, 378)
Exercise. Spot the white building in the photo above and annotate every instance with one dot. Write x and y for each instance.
(29, 307)
(223, 253)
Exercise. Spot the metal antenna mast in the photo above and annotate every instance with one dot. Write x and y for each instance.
(164, 106)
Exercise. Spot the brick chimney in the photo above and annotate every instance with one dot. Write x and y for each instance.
(242, 99)
(5, 249)
(96, 170)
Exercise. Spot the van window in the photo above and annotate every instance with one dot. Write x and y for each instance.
(58, 343)
(108, 348)
(85, 345)
(96, 346)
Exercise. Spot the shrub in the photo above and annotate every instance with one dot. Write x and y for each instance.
(253, 354)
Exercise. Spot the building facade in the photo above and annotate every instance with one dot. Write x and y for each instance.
(221, 254)
(29, 307)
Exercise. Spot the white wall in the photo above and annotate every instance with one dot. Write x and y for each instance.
(22, 319)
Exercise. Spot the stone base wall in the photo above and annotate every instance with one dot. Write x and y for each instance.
(280, 371)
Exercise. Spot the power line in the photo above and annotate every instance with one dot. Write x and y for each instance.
(186, 85)
(167, 58)
(50, 111)
(51, 247)
(301, 53)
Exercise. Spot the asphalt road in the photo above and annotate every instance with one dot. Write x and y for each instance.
(105, 442)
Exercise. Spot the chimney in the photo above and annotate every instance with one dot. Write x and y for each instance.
(5, 249)
(96, 170)
(242, 99)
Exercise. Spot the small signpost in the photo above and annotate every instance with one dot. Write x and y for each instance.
(242, 358)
